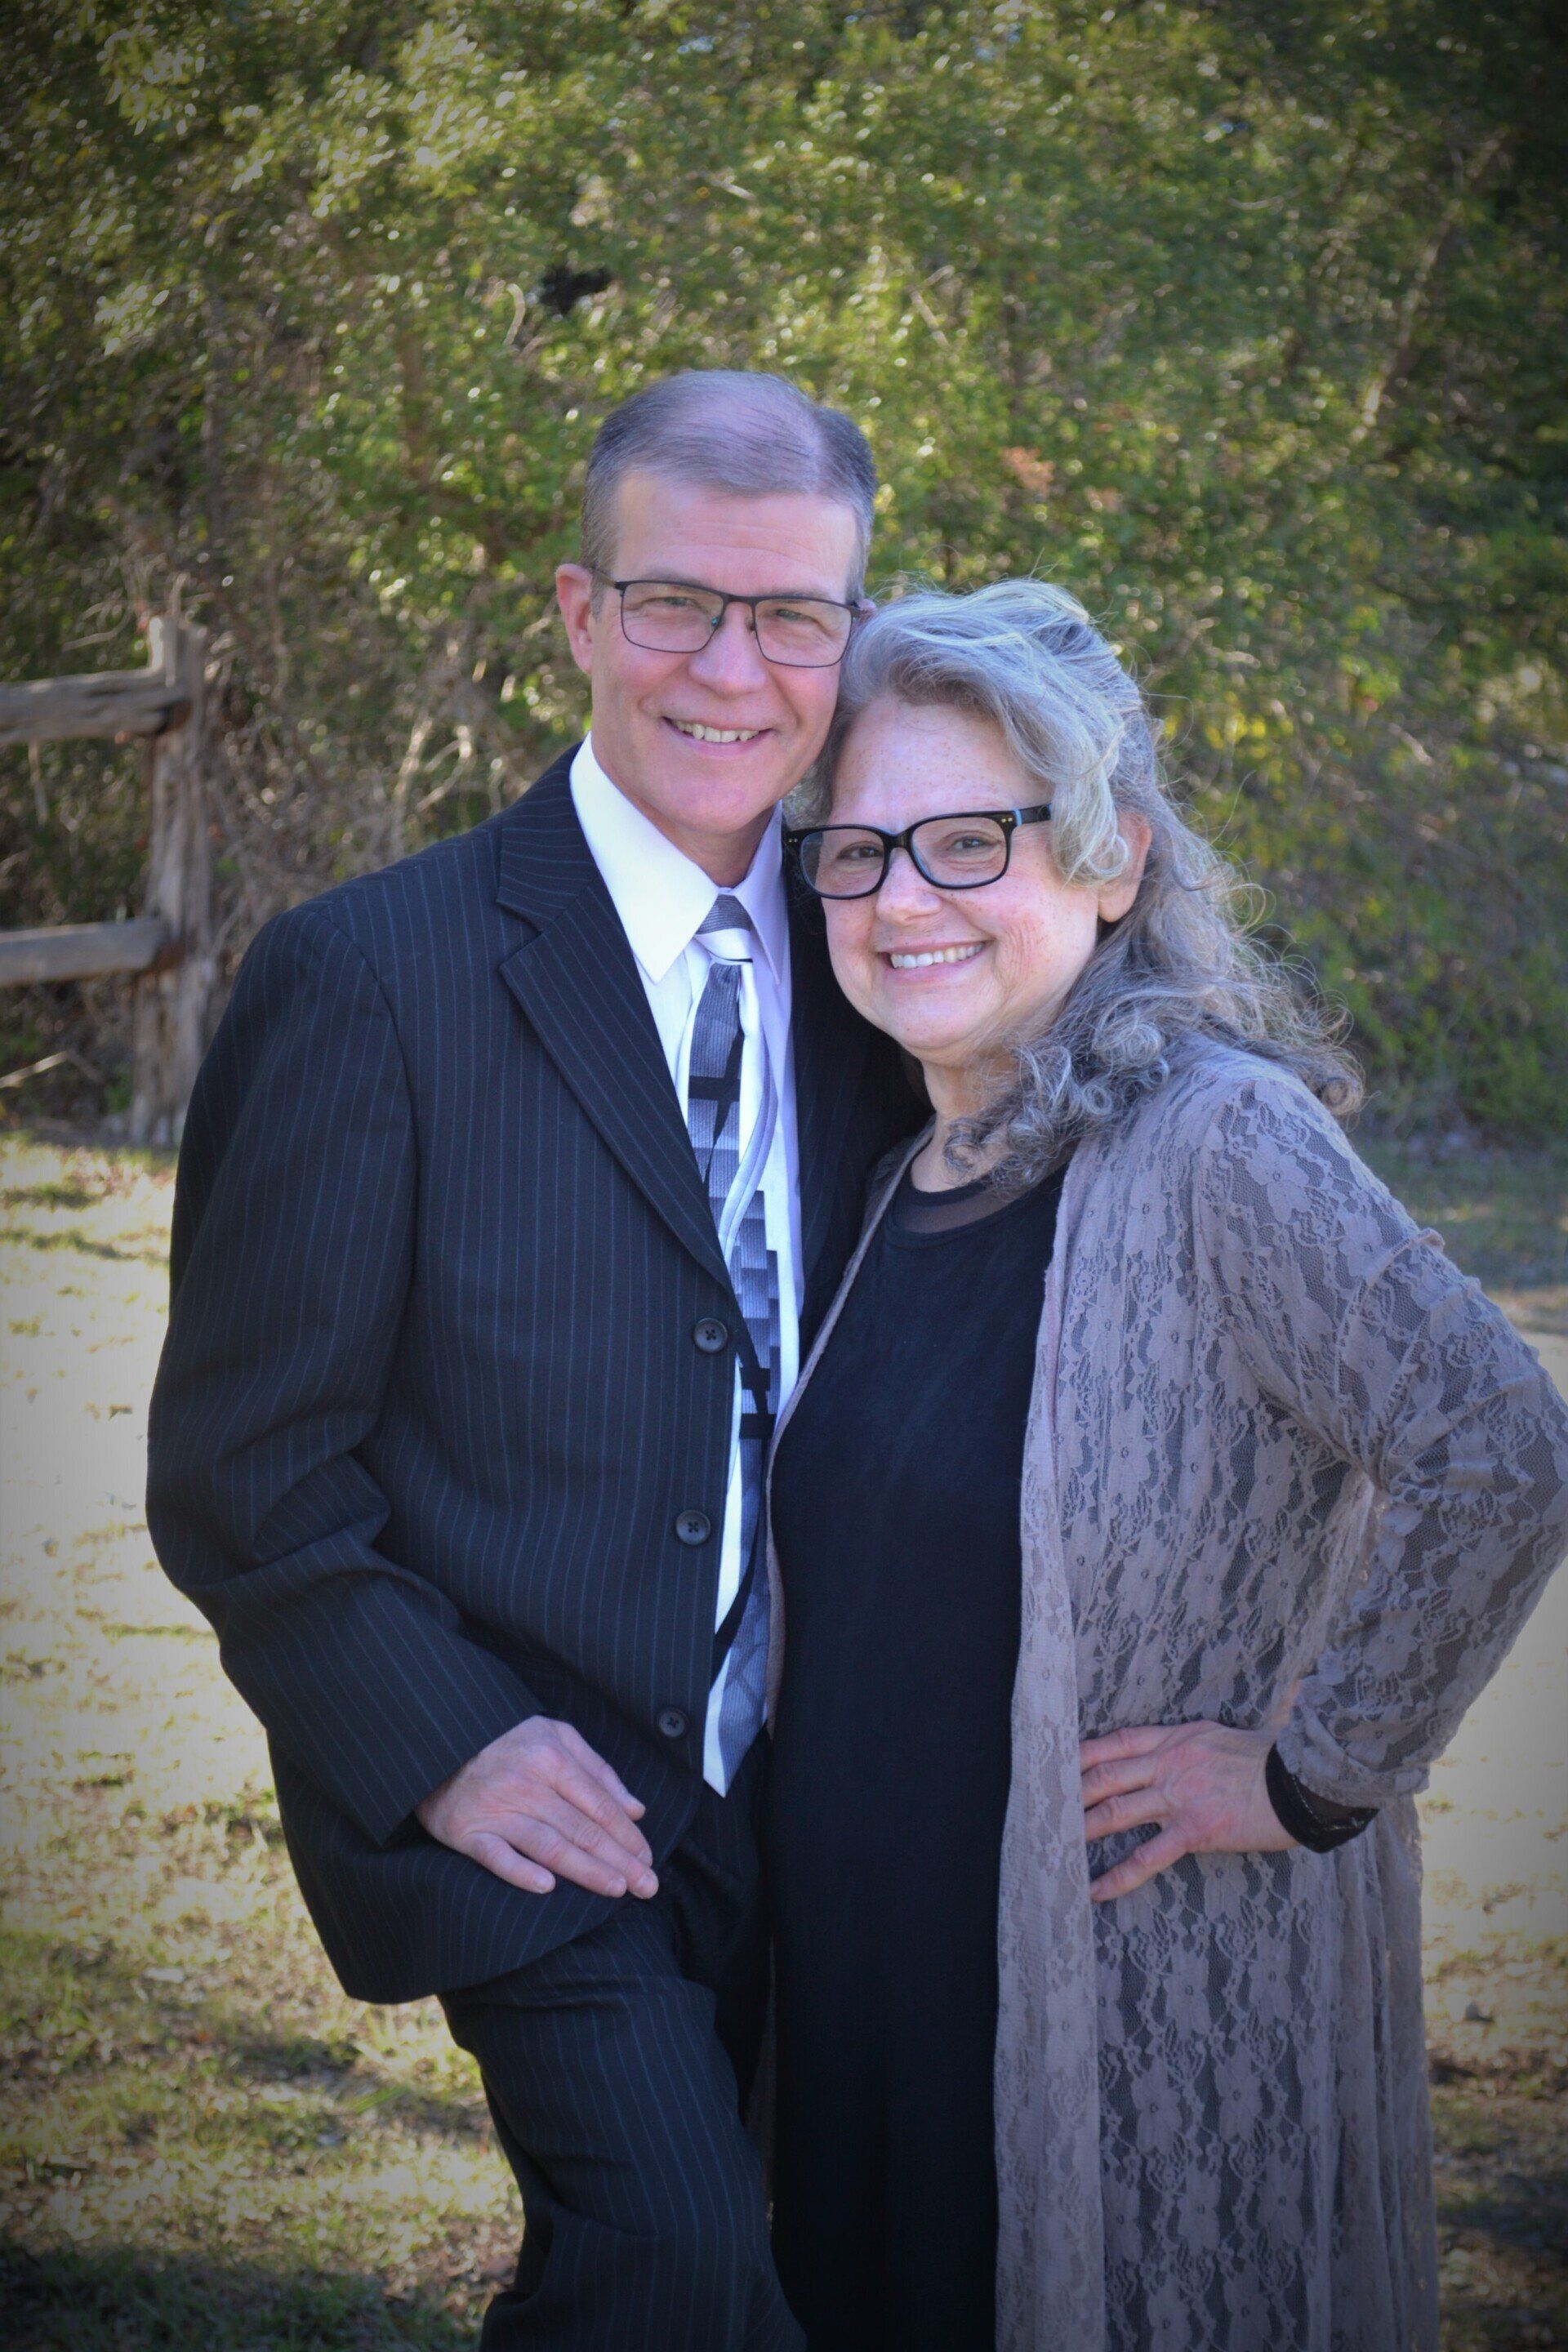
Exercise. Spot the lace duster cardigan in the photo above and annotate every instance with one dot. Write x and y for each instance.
(1276, 1445)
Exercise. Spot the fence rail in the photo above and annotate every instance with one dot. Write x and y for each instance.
(107, 702)
(169, 950)
(83, 950)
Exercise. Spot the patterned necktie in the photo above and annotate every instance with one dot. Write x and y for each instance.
(733, 1163)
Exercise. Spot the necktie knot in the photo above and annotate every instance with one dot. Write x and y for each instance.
(726, 914)
(726, 930)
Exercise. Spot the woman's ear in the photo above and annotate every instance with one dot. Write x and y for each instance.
(1115, 898)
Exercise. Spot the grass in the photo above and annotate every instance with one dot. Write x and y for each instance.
(206, 2147)
(1503, 1216)
(215, 2154)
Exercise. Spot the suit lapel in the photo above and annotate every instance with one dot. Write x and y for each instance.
(831, 1043)
(578, 982)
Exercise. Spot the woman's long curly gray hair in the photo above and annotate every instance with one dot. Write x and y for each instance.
(1180, 965)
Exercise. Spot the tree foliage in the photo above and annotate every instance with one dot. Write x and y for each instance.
(1243, 317)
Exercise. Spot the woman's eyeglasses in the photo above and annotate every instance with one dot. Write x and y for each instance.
(954, 853)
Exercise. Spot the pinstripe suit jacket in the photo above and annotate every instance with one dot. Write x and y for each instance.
(430, 1402)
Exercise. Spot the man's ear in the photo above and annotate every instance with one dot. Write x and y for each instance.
(1116, 897)
(575, 595)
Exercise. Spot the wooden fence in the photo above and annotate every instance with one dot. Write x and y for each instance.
(169, 946)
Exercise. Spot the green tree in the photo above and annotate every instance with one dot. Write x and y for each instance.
(1244, 318)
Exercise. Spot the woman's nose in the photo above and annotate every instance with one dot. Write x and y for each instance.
(905, 892)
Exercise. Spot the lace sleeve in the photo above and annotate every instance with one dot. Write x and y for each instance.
(1358, 1326)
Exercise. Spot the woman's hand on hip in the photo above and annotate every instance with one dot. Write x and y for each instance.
(1201, 1783)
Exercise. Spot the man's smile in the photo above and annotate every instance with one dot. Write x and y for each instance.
(697, 730)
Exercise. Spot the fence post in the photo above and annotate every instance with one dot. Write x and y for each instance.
(174, 998)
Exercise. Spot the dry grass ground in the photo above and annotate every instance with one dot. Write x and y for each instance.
(203, 2145)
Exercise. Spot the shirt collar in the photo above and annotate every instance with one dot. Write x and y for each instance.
(659, 894)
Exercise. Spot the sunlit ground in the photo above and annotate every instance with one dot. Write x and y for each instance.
(204, 2145)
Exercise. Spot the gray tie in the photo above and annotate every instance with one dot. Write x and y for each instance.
(734, 1192)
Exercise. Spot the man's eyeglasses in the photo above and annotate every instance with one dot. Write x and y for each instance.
(954, 853)
(670, 616)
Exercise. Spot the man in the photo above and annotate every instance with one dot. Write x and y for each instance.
(514, 1185)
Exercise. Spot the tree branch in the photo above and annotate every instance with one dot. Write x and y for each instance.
(1389, 378)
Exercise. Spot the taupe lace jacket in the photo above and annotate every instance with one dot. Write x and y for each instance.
(1275, 1437)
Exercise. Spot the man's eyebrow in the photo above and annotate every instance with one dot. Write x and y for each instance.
(685, 579)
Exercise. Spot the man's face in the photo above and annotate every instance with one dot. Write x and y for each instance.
(712, 799)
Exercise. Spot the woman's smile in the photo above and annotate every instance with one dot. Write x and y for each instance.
(923, 959)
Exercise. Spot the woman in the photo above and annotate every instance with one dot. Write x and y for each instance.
(1154, 1502)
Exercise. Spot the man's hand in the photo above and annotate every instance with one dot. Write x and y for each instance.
(538, 1805)
(1201, 1782)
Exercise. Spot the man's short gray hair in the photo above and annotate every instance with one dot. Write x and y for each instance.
(753, 435)
(1180, 965)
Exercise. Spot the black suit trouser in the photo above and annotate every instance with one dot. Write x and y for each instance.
(616, 2069)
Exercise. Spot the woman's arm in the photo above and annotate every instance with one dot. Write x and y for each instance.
(1360, 1327)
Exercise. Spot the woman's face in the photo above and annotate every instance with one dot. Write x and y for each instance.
(1009, 951)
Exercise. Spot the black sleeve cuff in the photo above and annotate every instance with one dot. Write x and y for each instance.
(1314, 1822)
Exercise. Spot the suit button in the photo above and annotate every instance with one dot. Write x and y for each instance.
(693, 1526)
(711, 1336)
(672, 1723)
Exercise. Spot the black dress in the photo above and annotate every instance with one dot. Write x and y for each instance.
(896, 1512)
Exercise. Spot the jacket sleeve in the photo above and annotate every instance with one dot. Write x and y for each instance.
(292, 1251)
(1357, 1324)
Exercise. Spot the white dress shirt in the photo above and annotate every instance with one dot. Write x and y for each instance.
(661, 898)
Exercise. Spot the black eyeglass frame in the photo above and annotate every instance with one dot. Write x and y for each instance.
(856, 612)
(796, 837)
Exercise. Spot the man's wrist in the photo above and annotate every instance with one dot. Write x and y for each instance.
(448, 1779)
